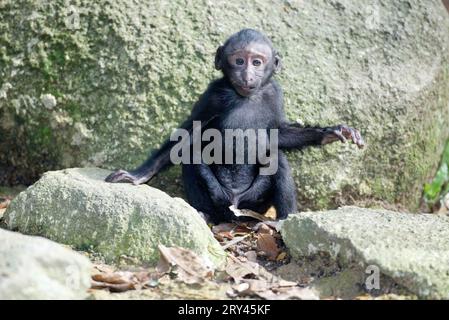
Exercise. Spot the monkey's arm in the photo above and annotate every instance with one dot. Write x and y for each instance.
(294, 136)
(160, 158)
(157, 161)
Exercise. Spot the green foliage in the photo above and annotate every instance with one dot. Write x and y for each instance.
(439, 186)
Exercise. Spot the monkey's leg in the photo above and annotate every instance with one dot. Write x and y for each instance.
(221, 196)
(256, 195)
(284, 189)
(198, 194)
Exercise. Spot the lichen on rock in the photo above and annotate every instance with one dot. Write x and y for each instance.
(76, 207)
(39, 269)
(410, 249)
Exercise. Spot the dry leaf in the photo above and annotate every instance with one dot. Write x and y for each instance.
(271, 213)
(230, 230)
(104, 268)
(281, 256)
(263, 228)
(225, 235)
(231, 293)
(248, 213)
(4, 203)
(105, 277)
(267, 244)
(223, 231)
(241, 287)
(163, 266)
(223, 227)
(289, 293)
(251, 256)
(241, 229)
(119, 281)
(285, 283)
(190, 268)
(238, 270)
(164, 279)
(113, 287)
(258, 285)
(444, 209)
(275, 288)
(142, 276)
(119, 277)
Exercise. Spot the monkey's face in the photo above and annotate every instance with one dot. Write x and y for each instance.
(249, 67)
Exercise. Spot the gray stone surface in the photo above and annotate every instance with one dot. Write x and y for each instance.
(37, 268)
(76, 207)
(411, 249)
(123, 74)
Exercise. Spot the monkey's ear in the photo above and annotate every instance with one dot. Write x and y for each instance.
(277, 62)
(218, 58)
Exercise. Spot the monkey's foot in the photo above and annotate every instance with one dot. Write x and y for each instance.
(344, 133)
(126, 177)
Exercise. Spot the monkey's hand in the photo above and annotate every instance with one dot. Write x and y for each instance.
(127, 177)
(343, 133)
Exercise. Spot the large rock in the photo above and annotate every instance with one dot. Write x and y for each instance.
(101, 83)
(411, 249)
(76, 207)
(37, 268)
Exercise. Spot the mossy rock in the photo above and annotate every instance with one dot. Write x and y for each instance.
(115, 221)
(411, 250)
(33, 268)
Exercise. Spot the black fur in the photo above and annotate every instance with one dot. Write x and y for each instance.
(211, 189)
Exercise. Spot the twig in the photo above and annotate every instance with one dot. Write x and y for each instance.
(234, 241)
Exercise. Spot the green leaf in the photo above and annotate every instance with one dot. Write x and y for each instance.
(432, 191)
(440, 184)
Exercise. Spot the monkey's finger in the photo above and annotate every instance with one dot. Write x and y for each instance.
(132, 178)
(359, 140)
(113, 176)
(354, 136)
(361, 143)
(358, 137)
(115, 179)
(340, 136)
(119, 176)
(350, 135)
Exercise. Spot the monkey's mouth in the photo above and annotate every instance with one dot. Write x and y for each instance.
(245, 90)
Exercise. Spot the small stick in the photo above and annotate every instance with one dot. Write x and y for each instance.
(234, 241)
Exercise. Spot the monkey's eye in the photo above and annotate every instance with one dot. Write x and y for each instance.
(239, 61)
(257, 63)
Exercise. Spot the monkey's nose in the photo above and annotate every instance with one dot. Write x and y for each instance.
(247, 81)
